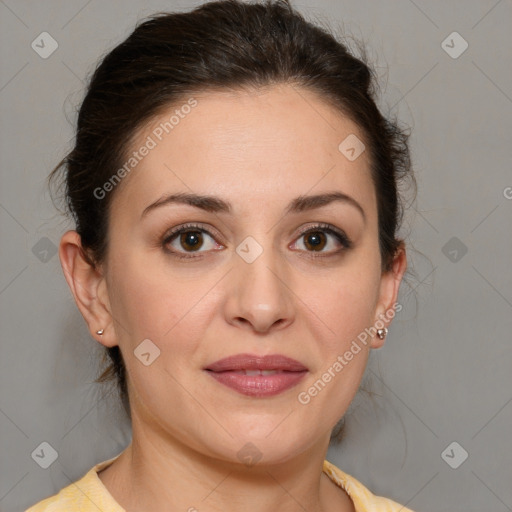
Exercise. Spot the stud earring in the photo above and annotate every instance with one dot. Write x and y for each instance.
(381, 333)
(100, 332)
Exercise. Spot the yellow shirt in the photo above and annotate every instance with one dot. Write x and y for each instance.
(88, 494)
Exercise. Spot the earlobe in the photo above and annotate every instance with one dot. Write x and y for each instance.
(388, 295)
(88, 287)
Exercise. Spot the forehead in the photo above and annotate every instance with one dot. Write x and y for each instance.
(269, 144)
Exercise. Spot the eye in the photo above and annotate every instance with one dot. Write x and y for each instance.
(188, 239)
(182, 242)
(316, 238)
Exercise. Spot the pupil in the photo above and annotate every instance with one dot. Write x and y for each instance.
(314, 240)
(191, 239)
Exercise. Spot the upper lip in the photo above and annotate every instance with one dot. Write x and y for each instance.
(255, 362)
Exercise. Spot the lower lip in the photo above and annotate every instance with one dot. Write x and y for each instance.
(258, 385)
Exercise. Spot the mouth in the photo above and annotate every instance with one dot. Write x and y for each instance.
(257, 376)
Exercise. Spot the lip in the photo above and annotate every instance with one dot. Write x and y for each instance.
(268, 375)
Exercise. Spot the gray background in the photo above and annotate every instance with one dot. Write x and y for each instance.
(444, 373)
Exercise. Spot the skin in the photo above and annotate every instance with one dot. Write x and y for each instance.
(258, 150)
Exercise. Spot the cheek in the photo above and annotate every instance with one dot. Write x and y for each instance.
(142, 306)
(149, 303)
(342, 356)
(148, 306)
(345, 306)
(348, 317)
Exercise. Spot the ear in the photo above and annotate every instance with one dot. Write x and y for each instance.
(88, 286)
(389, 285)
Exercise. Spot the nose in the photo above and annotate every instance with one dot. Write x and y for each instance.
(260, 296)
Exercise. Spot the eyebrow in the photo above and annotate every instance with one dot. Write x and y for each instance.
(217, 205)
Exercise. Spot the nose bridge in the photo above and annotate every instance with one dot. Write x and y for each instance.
(259, 293)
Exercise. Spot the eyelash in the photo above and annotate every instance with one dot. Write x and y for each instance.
(338, 234)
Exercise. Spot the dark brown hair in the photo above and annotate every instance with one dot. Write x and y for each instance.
(224, 44)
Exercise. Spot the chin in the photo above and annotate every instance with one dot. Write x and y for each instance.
(266, 443)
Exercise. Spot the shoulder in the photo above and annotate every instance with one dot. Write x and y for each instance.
(88, 494)
(64, 500)
(362, 497)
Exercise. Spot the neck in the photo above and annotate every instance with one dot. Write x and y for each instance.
(158, 473)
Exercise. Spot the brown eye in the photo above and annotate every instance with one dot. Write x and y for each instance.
(191, 240)
(182, 241)
(315, 240)
(321, 237)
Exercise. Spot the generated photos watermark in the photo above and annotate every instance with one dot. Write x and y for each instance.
(151, 142)
(304, 397)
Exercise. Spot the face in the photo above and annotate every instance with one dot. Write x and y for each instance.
(258, 271)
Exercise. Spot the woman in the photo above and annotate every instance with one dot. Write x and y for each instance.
(234, 188)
